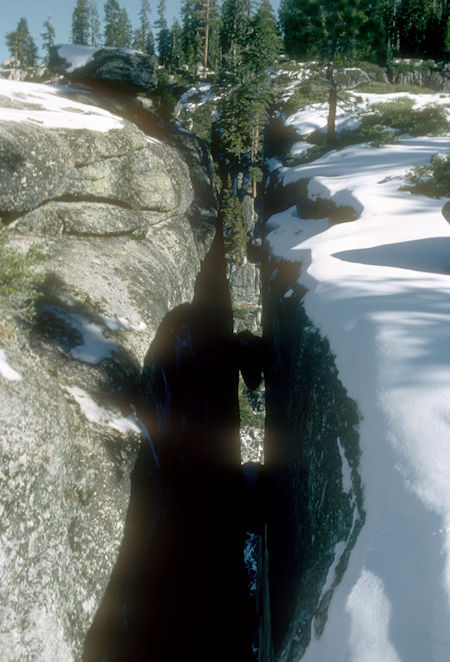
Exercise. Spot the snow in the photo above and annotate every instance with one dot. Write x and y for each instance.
(95, 346)
(122, 324)
(5, 369)
(77, 56)
(379, 290)
(46, 106)
(348, 113)
(100, 416)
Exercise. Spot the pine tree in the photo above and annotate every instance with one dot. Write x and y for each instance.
(48, 38)
(163, 34)
(143, 36)
(124, 31)
(21, 44)
(118, 31)
(197, 18)
(233, 32)
(418, 28)
(333, 32)
(175, 55)
(80, 23)
(250, 44)
(94, 25)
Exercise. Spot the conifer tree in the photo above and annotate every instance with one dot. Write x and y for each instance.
(94, 25)
(117, 30)
(250, 43)
(80, 23)
(175, 56)
(143, 36)
(21, 44)
(48, 38)
(418, 28)
(200, 31)
(332, 32)
(163, 34)
(233, 32)
(125, 31)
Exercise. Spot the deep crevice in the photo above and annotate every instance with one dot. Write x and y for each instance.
(179, 588)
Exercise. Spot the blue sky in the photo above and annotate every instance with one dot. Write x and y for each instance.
(36, 12)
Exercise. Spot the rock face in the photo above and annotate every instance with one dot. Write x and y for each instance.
(423, 73)
(244, 282)
(311, 444)
(115, 214)
(121, 67)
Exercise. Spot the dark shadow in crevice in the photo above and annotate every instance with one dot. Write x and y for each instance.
(179, 588)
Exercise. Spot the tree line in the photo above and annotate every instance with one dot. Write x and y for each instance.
(237, 43)
(368, 30)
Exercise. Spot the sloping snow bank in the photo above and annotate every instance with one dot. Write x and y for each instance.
(44, 105)
(379, 289)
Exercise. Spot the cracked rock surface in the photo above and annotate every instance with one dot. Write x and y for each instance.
(116, 215)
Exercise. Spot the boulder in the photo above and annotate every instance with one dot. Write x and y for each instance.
(120, 67)
(446, 211)
(114, 213)
(351, 77)
(422, 73)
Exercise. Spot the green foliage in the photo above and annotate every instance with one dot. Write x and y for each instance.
(234, 233)
(48, 38)
(202, 120)
(18, 281)
(312, 90)
(329, 30)
(143, 36)
(374, 30)
(175, 53)
(163, 38)
(200, 33)
(251, 406)
(21, 45)
(80, 23)
(117, 30)
(377, 87)
(164, 95)
(250, 44)
(432, 179)
(404, 117)
(94, 25)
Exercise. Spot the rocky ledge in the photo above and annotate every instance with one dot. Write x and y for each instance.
(115, 213)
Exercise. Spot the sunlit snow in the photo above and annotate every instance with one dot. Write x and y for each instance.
(46, 106)
(5, 369)
(96, 414)
(379, 290)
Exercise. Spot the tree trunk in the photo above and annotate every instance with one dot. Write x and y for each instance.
(332, 104)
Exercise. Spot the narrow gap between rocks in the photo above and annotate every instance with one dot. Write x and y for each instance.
(180, 586)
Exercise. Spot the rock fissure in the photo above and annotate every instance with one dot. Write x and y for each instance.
(138, 484)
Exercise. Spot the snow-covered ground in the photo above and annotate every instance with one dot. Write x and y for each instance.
(45, 105)
(379, 290)
(349, 112)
